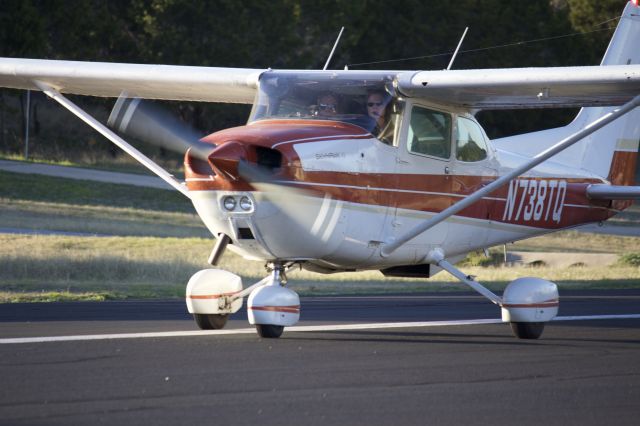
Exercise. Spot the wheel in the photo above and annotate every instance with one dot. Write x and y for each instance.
(527, 330)
(210, 321)
(269, 331)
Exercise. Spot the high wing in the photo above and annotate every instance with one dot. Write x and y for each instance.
(516, 88)
(470, 89)
(171, 82)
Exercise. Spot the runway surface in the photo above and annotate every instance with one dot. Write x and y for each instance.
(580, 372)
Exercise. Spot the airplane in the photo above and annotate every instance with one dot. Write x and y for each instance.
(308, 182)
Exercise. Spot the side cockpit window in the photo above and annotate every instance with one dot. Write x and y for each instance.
(429, 133)
(470, 143)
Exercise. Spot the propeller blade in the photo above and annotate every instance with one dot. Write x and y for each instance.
(149, 123)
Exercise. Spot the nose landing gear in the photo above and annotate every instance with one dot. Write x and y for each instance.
(272, 307)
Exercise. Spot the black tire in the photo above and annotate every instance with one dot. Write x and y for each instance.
(527, 330)
(269, 331)
(210, 321)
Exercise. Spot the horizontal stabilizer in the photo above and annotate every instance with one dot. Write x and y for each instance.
(613, 192)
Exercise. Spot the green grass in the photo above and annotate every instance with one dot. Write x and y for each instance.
(121, 163)
(578, 242)
(99, 220)
(53, 296)
(630, 259)
(37, 202)
(20, 186)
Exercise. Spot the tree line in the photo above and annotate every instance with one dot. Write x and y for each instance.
(300, 34)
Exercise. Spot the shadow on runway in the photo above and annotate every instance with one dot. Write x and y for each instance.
(175, 310)
(95, 311)
(483, 338)
(414, 337)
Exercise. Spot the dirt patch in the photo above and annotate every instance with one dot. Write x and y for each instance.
(554, 259)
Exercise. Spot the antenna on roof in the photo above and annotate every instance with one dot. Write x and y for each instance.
(333, 50)
(457, 48)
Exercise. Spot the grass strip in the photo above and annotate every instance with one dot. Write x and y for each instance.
(133, 267)
(577, 242)
(122, 163)
(98, 220)
(20, 186)
(53, 296)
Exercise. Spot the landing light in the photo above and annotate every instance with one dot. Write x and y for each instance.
(246, 204)
(229, 203)
(636, 2)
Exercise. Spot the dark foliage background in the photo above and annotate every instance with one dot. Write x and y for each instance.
(290, 34)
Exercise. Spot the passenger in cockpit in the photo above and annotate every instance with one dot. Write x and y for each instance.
(377, 110)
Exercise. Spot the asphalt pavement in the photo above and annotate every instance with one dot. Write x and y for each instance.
(375, 360)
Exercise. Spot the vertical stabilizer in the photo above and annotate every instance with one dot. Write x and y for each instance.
(611, 152)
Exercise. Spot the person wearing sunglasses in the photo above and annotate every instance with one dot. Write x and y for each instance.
(377, 110)
(327, 105)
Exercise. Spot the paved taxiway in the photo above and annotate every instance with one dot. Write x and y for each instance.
(580, 372)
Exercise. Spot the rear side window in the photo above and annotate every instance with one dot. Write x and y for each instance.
(429, 133)
(470, 143)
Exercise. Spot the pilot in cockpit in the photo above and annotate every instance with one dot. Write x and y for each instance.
(327, 105)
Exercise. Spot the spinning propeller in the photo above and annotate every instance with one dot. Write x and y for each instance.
(149, 123)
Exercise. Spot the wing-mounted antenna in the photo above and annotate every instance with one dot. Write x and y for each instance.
(326, 65)
(457, 48)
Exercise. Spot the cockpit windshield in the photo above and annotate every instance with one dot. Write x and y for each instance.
(357, 98)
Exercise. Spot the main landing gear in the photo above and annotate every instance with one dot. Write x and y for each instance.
(214, 294)
(527, 303)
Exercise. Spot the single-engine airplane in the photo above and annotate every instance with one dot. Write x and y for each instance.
(312, 181)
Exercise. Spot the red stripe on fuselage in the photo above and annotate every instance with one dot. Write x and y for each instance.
(417, 192)
(434, 193)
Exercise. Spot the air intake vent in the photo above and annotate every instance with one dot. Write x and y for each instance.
(268, 158)
(245, 234)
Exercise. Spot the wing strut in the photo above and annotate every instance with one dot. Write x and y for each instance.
(387, 249)
(140, 157)
(438, 256)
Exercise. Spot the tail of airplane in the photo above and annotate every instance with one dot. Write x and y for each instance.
(611, 152)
